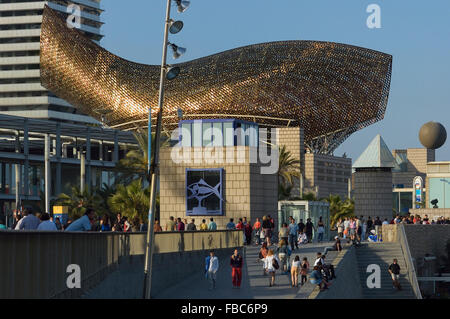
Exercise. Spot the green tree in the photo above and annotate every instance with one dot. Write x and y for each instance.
(288, 170)
(104, 193)
(309, 196)
(340, 209)
(135, 163)
(131, 200)
(79, 201)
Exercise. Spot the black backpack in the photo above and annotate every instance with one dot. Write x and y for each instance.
(275, 264)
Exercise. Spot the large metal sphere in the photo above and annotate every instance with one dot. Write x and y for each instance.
(432, 135)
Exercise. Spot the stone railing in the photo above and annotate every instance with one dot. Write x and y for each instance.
(34, 264)
(396, 233)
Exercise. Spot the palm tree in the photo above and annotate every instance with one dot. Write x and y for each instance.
(309, 196)
(135, 163)
(284, 192)
(131, 201)
(79, 201)
(288, 169)
(340, 209)
(104, 193)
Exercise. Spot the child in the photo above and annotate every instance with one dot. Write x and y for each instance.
(304, 270)
(294, 271)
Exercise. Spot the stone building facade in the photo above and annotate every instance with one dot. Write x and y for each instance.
(373, 192)
(326, 174)
(322, 174)
(246, 191)
(415, 164)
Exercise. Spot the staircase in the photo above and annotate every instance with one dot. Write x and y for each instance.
(382, 254)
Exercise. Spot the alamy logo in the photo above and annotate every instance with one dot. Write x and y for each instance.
(265, 153)
(74, 279)
(374, 279)
(74, 18)
(374, 19)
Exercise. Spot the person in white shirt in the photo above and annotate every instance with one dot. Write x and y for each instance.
(46, 224)
(346, 226)
(271, 264)
(319, 258)
(211, 267)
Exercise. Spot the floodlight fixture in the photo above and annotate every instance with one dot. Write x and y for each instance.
(182, 5)
(177, 51)
(175, 26)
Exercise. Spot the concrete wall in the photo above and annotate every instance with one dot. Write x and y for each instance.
(418, 159)
(33, 264)
(347, 284)
(247, 192)
(427, 239)
(373, 194)
(422, 239)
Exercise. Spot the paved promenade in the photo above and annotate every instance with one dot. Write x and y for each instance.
(254, 283)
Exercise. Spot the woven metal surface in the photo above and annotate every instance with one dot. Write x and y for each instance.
(330, 89)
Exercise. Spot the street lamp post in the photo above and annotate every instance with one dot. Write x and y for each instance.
(169, 73)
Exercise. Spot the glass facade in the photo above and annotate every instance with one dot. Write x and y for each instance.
(402, 202)
(304, 210)
(439, 189)
(217, 133)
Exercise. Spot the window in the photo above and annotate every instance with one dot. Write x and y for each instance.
(229, 134)
(206, 134)
(217, 135)
(186, 134)
(197, 134)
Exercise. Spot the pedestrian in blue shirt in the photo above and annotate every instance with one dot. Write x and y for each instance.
(83, 223)
(231, 225)
(293, 231)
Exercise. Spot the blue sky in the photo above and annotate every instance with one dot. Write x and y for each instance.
(415, 32)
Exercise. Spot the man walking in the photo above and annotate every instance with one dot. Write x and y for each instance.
(236, 262)
(394, 270)
(309, 229)
(293, 230)
(211, 268)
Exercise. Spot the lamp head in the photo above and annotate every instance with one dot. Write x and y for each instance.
(172, 72)
(182, 5)
(177, 51)
(175, 26)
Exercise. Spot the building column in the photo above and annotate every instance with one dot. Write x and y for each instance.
(88, 160)
(58, 184)
(17, 171)
(26, 166)
(47, 173)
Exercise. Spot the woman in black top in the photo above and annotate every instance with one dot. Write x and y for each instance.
(267, 226)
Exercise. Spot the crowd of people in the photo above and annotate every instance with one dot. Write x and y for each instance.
(30, 220)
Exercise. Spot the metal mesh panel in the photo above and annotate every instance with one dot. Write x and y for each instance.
(321, 86)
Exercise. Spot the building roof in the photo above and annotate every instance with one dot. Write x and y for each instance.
(37, 128)
(329, 89)
(377, 154)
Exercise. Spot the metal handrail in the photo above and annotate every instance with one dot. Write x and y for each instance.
(409, 262)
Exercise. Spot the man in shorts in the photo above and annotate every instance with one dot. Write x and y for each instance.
(394, 270)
